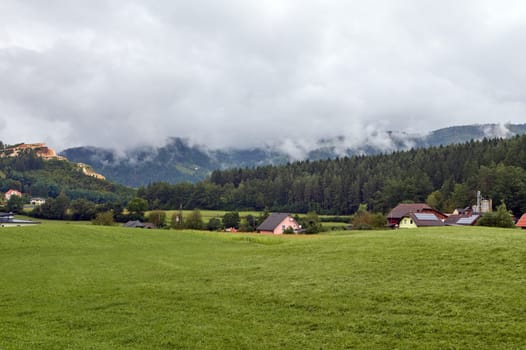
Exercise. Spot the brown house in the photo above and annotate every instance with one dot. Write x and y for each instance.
(277, 223)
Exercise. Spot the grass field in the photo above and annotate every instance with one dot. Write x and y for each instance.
(77, 286)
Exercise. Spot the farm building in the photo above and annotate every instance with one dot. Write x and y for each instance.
(403, 210)
(277, 223)
(522, 222)
(462, 220)
(413, 220)
(138, 224)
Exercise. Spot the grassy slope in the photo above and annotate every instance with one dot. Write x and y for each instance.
(86, 287)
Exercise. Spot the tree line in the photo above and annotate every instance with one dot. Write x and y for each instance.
(446, 177)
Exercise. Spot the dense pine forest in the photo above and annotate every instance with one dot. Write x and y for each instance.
(445, 177)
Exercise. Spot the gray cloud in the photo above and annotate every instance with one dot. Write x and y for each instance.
(243, 73)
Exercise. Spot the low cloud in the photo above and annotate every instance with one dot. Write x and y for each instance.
(235, 73)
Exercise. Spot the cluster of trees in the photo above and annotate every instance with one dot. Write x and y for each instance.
(230, 220)
(64, 208)
(446, 177)
(194, 220)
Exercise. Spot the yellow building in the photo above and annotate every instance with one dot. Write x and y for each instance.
(414, 220)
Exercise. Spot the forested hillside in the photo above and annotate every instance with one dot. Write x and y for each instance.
(445, 176)
(36, 177)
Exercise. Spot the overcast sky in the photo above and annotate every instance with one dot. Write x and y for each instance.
(121, 73)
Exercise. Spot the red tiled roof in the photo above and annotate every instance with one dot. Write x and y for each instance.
(522, 221)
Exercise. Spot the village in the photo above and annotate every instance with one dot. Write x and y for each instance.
(403, 216)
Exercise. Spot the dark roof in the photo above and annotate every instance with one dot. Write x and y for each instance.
(134, 224)
(404, 209)
(426, 219)
(452, 219)
(468, 220)
(464, 220)
(272, 221)
(522, 221)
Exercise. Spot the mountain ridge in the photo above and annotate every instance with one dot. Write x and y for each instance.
(179, 161)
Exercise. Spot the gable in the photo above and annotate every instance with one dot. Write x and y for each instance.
(522, 221)
(273, 221)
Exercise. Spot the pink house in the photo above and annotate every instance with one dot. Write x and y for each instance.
(276, 223)
(11, 193)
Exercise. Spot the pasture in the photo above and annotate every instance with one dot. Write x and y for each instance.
(78, 286)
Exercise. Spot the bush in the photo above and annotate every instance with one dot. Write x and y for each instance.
(194, 220)
(158, 218)
(289, 230)
(176, 221)
(214, 224)
(311, 223)
(364, 220)
(104, 219)
(231, 219)
(500, 218)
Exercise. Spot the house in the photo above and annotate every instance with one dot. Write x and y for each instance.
(138, 224)
(36, 201)
(522, 222)
(11, 193)
(402, 210)
(8, 220)
(277, 223)
(414, 220)
(462, 211)
(468, 219)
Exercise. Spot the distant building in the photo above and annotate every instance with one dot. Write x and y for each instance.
(403, 210)
(138, 224)
(483, 205)
(413, 220)
(277, 223)
(462, 219)
(36, 201)
(11, 193)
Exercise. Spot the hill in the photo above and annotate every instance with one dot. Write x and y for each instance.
(37, 171)
(179, 161)
(89, 287)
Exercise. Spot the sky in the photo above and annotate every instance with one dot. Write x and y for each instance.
(242, 73)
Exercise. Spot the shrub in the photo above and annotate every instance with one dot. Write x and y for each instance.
(104, 219)
(289, 230)
(214, 224)
(194, 220)
(500, 218)
(158, 218)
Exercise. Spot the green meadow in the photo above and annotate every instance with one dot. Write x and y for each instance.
(78, 286)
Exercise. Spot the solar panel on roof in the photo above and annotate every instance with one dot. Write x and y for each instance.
(426, 216)
(468, 220)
